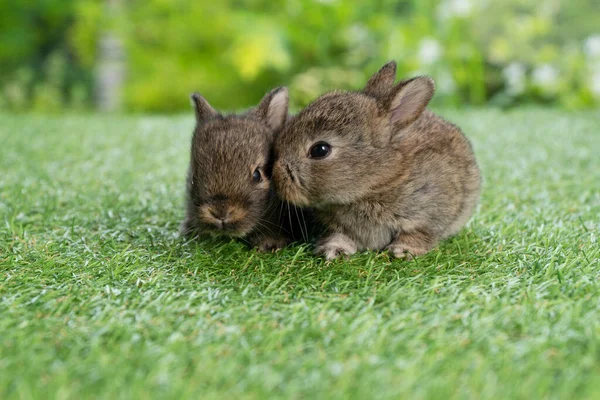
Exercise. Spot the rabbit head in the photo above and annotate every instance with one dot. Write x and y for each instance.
(340, 147)
(228, 183)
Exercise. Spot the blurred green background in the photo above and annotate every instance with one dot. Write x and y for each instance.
(147, 56)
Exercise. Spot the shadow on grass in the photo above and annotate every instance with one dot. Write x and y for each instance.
(223, 260)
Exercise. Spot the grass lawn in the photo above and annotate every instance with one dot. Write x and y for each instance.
(100, 298)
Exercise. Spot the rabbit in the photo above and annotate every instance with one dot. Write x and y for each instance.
(379, 169)
(228, 191)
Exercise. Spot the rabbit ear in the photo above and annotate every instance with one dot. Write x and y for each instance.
(273, 108)
(382, 81)
(201, 107)
(408, 100)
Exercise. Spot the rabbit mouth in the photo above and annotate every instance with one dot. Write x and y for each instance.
(225, 220)
(292, 193)
(234, 230)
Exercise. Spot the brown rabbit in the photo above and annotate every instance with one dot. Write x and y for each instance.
(380, 171)
(228, 180)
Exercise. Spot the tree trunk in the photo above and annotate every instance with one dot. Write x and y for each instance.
(110, 72)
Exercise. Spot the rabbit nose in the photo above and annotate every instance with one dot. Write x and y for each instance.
(289, 171)
(222, 214)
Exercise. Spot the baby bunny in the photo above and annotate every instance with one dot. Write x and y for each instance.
(228, 180)
(380, 171)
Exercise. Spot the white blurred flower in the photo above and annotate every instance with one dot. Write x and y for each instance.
(430, 51)
(445, 83)
(461, 8)
(591, 46)
(455, 8)
(357, 33)
(336, 368)
(595, 83)
(514, 75)
(545, 76)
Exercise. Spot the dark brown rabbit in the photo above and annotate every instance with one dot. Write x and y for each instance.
(380, 170)
(228, 181)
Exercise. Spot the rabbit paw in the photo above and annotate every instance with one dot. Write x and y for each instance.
(270, 244)
(335, 246)
(407, 252)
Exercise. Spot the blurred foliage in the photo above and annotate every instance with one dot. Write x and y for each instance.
(500, 52)
(40, 70)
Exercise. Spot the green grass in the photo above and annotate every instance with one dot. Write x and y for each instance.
(100, 298)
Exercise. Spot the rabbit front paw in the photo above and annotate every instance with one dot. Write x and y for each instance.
(400, 250)
(408, 245)
(268, 244)
(335, 245)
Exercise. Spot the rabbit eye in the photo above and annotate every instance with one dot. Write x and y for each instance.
(320, 150)
(256, 175)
